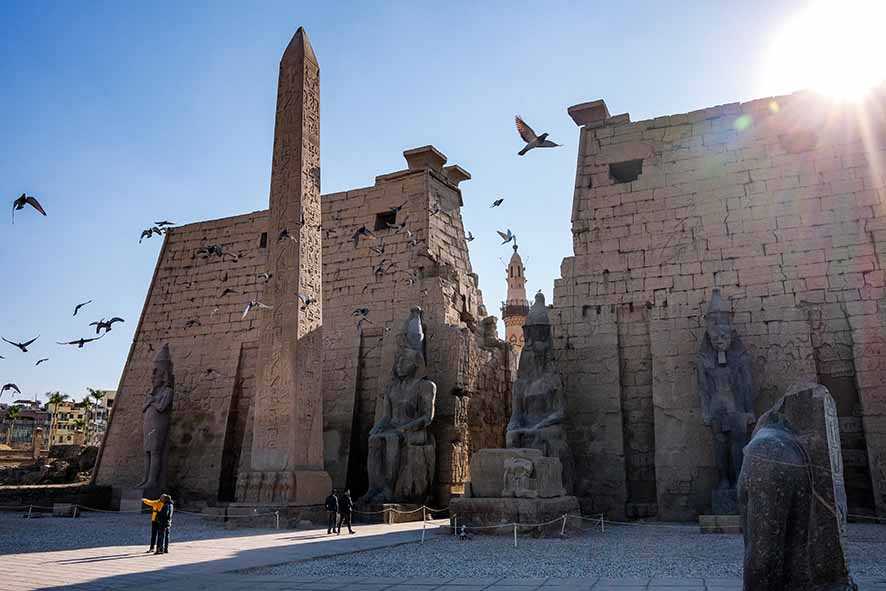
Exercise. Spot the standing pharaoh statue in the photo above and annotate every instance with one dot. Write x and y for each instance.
(723, 368)
(157, 409)
(538, 403)
(402, 450)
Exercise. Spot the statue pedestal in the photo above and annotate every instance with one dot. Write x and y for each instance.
(720, 524)
(283, 488)
(390, 513)
(514, 486)
(129, 500)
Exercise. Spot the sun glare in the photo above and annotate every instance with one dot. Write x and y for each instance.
(836, 48)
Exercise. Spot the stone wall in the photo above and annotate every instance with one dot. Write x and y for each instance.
(215, 357)
(779, 202)
(207, 336)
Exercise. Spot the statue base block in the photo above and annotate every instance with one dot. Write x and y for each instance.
(391, 513)
(283, 488)
(720, 524)
(478, 511)
(724, 501)
(129, 500)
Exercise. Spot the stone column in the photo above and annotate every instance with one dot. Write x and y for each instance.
(286, 464)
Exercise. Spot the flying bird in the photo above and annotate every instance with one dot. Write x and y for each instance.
(214, 250)
(22, 346)
(361, 231)
(380, 269)
(101, 324)
(505, 238)
(39, 361)
(306, 300)
(397, 227)
(78, 306)
(380, 249)
(81, 342)
(266, 276)
(532, 140)
(436, 209)
(163, 223)
(284, 234)
(192, 323)
(251, 305)
(469, 237)
(23, 200)
(9, 387)
(362, 314)
(227, 291)
(497, 202)
(396, 210)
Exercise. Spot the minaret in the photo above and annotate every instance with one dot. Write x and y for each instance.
(286, 459)
(515, 309)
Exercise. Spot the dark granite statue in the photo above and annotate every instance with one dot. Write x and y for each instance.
(792, 497)
(402, 450)
(538, 401)
(723, 369)
(157, 410)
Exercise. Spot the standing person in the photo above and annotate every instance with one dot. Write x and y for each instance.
(332, 512)
(345, 506)
(156, 505)
(164, 523)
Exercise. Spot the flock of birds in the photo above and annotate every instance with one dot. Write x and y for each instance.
(383, 267)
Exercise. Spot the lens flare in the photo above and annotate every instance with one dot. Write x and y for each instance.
(836, 48)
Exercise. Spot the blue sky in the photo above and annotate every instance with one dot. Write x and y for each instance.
(116, 114)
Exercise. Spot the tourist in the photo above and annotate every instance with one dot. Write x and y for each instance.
(345, 506)
(332, 511)
(164, 523)
(155, 506)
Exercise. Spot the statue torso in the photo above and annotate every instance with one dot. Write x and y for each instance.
(406, 401)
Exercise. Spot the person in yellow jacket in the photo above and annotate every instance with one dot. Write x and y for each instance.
(156, 506)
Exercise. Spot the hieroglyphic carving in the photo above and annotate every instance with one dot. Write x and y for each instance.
(288, 425)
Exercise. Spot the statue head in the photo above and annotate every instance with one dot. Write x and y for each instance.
(537, 328)
(161, 375)
(407, 364)
(718, 323)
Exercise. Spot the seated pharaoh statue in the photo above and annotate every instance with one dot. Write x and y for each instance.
(402, 450)
(538, 402)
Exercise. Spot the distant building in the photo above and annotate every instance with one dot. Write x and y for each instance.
(66, 427)
(101, 413)
(515, 309)
(31, 416)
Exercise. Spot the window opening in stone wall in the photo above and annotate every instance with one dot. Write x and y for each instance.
(263, 240)
(627, 171)
(383, 220)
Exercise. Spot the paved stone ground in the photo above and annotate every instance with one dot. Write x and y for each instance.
(100, 552)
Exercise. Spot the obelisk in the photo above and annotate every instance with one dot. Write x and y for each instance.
(286, 461)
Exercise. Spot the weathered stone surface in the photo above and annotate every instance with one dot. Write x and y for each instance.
(157, 409)
(402, 449)
(486, 512)
(539, 405)
(723, 370)
(792, 496)
(515, 472)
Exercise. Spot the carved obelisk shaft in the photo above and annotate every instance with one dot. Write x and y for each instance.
(287, 445)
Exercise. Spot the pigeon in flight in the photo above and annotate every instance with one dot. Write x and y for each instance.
(9, 387)
(39, 361)
(284, 234)
(497, 202)
(380, 249)
(362, 231)
(306, 300)
(81, 342)
(505, 238)
(214, 250)
(532, 140)
(436, 209)
(149, 232)
(266, 276)
(163, 224)
(23, 200)
(78, 306)
(192, 323)
(380, 269)
(227, 291)
(469, 237)
(362, 314)
(253, 304)
(101, 324)
(396, 210)
(22, 346)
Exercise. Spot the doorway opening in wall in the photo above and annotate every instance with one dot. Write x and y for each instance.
(384, 220)
(627, 171)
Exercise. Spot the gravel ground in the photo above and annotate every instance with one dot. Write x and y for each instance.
(91, 530)
(622, 551)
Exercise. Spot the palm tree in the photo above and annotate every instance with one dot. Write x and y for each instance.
(78, 424)
(96, 398)
(12, 415)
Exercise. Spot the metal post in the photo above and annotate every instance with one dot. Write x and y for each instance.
(563, 529)
(602, 524)
(29, 511)
(76, 511)
(515, 535)
(455, 522)
(424, 524)
(277, 519)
